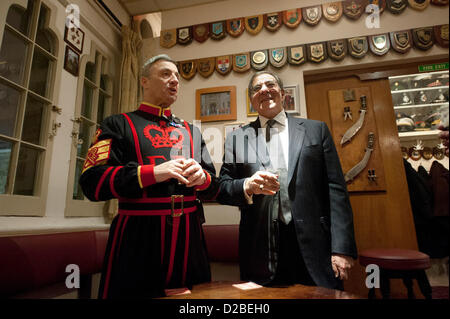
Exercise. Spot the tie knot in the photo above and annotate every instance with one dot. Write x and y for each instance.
(271, 123)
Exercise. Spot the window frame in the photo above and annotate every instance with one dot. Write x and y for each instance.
(84, 207)
(32, 205)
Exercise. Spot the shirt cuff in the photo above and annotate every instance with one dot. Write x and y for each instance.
(249, 198)
(146, 177)
(206, 184)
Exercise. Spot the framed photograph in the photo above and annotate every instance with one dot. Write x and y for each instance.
(291, 103)
(216, 104)
(75, 38)
(230, 127)
(250, 110)
(71, 61)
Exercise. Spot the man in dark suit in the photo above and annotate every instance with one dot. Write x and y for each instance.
(296, 220)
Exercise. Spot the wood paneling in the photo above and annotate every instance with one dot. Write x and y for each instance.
(352, 152)
(381, 219)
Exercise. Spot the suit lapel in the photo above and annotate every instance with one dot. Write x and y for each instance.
(296, 138)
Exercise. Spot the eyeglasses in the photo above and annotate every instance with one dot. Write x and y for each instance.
(270, 85)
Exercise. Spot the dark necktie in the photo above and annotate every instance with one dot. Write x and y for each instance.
(281, 200)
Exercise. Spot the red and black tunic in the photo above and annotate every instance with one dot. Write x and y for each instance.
(156, 240)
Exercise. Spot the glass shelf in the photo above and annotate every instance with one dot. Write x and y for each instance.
(420, 103)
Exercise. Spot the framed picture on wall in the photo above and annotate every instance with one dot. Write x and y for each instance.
(216, 104)
(75, 38)
(71, 61)
(291, 102)
(250, 110)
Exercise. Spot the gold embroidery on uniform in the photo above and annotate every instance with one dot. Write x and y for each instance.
(98, 154)
(139, 176)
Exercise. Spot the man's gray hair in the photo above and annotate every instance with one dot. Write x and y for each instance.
(250, 83)
(145, 71)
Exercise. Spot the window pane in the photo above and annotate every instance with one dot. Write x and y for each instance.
(40, 73)
(85, 135)
(26, 171)
(103, 82)
(12, 56)
(77, 192)
(101, 108)
(31, 131)
(43, 37)
(5, 158)
(9, 100)
(86, 108)
(90, 71)
(19, 17)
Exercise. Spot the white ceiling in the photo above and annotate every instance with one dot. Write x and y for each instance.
(138, 7)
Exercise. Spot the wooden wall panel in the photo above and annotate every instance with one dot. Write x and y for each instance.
(352, 152)
(381, 219)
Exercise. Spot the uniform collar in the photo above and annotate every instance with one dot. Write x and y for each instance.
(155, 109)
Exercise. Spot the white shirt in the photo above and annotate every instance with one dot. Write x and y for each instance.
(283, 131)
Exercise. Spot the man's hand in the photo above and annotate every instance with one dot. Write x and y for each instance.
(170, 169)
(193, 172)
(341, 265)
(262, 183)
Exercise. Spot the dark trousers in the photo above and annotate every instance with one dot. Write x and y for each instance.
(291, 268)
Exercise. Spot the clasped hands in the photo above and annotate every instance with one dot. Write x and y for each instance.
(262, 182)
(186, 171)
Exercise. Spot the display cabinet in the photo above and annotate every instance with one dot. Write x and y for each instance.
(421, 104)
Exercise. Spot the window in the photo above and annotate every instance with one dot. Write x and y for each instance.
(94, 105)
(28, 57)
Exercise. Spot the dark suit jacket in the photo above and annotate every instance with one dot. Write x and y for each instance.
(321, 209)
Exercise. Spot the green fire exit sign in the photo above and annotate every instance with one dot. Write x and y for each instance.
(433, 67)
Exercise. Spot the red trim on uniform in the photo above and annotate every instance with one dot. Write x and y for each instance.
(163, 236)
(186, 251)
(100, 183)
(156, 212)
(111, 255)
(154, 109)
(173, 245)
(206, 184)
(111, 182)
(135, 138)
(147, 175)
(157, 199)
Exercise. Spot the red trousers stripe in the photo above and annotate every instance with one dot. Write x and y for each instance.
(186, 251)
(100, 183)
(173, 246)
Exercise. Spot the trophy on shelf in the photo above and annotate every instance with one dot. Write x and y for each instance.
(406, 100)
(421, 98)
(440, 98)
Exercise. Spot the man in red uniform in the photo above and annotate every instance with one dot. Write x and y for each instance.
(158, 167)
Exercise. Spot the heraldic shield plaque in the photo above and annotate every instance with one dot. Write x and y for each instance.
(401, 41)
(332, 11)
(353, 153)
(273, 21)
(224, 64)
(168, 38)
(235, 27)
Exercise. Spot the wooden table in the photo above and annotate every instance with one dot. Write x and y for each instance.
(225, 290)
